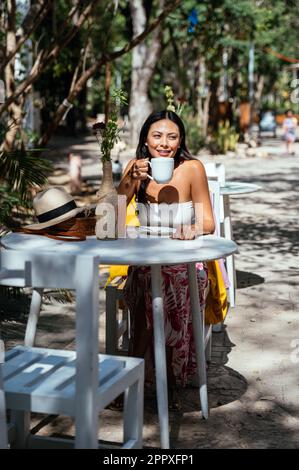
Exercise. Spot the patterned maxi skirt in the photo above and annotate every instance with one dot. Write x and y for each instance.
(177, 312)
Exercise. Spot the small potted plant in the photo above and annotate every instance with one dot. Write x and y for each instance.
(107, 135)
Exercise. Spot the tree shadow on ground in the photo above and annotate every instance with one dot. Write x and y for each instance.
(270, 182)
(270, 237)
(224, 384)
(248, 279)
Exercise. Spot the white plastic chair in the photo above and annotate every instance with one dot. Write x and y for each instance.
(216, 171)
(214, 188)
(3, 422)
(46, 380)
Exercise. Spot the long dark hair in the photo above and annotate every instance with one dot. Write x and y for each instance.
(142, 149)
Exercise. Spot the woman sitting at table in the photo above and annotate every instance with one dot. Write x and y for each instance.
(163, 135)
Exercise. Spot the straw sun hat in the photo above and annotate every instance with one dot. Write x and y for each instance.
(52, 206)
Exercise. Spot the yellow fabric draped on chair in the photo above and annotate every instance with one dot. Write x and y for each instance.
(216, 302)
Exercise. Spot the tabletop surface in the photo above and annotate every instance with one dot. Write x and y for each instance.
(238, 187)
(140, 250)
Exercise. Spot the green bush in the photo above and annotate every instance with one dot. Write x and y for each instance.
(194, 138)
(225, 138)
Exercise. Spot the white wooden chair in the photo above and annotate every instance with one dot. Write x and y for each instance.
(214, 187)
(45, 380)
(3, 422)
(216, 171)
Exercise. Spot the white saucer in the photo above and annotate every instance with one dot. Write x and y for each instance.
(156, 231)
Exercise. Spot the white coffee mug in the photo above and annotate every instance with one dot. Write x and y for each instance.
(162, 169)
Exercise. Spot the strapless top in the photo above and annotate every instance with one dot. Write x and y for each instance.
(166, 215)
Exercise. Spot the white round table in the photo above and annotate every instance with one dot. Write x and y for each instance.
(235, 188)
(53, 263)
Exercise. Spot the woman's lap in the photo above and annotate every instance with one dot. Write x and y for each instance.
(177, 311)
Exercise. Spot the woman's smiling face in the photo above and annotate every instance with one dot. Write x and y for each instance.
(163, 139)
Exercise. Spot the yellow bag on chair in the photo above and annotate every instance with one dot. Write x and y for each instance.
(216, 303)
(133, 221)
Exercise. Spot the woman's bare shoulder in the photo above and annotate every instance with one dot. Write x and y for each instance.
(194, 165)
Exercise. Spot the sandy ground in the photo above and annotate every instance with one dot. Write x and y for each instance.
(254, 377)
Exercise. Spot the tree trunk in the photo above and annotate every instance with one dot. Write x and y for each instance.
(37, 12)
(205, 115)
(202, 96)
(81, 82)
(14, 109)
(144, 60)
(213, 103)
(46, 56)
(258, 96)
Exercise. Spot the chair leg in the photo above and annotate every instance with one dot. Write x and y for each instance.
(3, 422)
(111, 320)
(208, 351)
(231, 272)
(21, 423)
(133, 413)
(126, 334)
(33, 317)
(217, 328)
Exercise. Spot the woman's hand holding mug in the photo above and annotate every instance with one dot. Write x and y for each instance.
(162, 169)
(139, 169)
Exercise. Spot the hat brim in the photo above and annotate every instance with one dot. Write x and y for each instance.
(57, 220)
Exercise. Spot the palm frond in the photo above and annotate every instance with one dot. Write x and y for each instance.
(61, 296)
(22, 169)
(8, 200)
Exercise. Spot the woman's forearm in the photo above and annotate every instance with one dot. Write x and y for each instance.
(127, 186)
(204, 229)
(208, 227)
